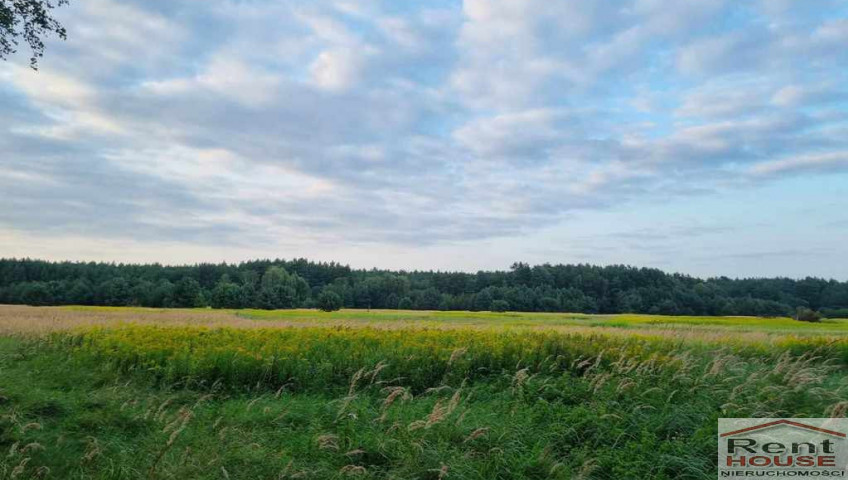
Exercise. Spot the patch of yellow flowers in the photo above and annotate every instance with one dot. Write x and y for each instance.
(321, 357)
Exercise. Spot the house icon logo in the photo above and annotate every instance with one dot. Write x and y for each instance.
(782, 447)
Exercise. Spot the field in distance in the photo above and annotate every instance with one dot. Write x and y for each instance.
(143, 393)
(21, 318)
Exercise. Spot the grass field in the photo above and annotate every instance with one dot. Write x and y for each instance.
(139, 393)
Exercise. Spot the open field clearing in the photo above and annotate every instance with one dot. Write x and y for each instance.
(143, 393)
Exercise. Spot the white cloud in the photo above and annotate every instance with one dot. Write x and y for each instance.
(49, 86)
(527, 132)
(39, 179)
(221, 174)
(816, 162)
(715, 55)
(401, 32)
(833, 32)
(228, 77)
(107, 35)
(501, 44)
(671, 17)
(789, 96)
(337, 70)
(724, 99)
(69, 101)
(327, 28)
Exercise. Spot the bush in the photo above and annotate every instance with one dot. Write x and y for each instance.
(804, 314)
(187, 294)
(500, 306)
(329, 301)
(835, 312)
(549, 304)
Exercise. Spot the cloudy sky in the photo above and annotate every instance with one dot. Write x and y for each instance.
(708, 137)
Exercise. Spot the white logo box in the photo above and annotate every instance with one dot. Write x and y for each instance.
(783, 448)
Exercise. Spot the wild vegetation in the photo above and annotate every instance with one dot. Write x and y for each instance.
(300, 283)
(91, 392)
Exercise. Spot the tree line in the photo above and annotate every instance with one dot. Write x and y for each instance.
(300, 283)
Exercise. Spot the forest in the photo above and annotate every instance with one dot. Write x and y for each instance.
(300, 283)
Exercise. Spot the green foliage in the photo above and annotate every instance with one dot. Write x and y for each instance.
(835, 312)
(549, 304)
(187, 294)
(116, 292)
(329, 301)
(297, 283)
(36, 294)
(804, 314)
(161, 295)
(500, 306)
(405, 303)
(279, 289)
(483, 301)
(30, 20)
(325, 402)
(226, 294)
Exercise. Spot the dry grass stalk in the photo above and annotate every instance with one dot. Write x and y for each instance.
(456, 354)
(586, 469)
(353, 470)
(838, 410)
(395, 393)
(31, 447)
(328, 442)
(480, 432)
(19, 469)
(440, 412)
(178, 425)
(519, 379)
(377, 369)
(92, 450)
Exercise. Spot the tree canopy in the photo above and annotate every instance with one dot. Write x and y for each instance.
(30, 20)
(273, 284)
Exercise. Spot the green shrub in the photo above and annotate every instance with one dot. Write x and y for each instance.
(329, 301)
(500, 306)
(804, 314)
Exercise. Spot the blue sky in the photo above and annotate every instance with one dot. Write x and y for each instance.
(707, 137)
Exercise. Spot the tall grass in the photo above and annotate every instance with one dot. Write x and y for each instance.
(187, 396)
(323, 357)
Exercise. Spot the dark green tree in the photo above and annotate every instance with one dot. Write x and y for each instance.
(430, 299)
(226, 294)
(30, 20)
(483, 301)
(405, 303)
(500, 306)
(329, 301)
(81, 293)
(279, 289)
(549, 304)
(36, 294)
(116, 291)
(161, 296)
(804, 314)
(187, 294)
(575, 288)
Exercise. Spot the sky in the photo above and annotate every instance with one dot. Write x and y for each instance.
(708, 137)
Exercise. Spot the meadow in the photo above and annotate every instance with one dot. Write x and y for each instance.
(101, 393)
